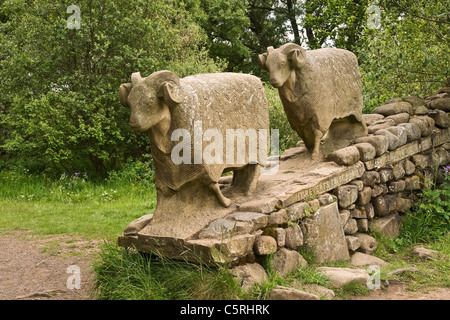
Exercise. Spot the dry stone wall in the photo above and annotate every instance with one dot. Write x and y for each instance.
(367, 187)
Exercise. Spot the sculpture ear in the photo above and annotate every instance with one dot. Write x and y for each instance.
(262, 60)
(170, 93)
(297, 58)
(124, 91)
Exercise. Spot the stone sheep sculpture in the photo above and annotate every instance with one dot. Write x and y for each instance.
(315, 88)
(162, 103)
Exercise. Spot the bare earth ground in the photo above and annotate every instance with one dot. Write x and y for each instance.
(35, 268)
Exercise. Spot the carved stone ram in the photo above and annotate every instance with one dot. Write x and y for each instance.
(162, 103)
(315, 87)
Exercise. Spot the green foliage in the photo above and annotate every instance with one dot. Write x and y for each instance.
(59, 86)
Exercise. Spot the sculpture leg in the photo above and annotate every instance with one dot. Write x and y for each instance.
(222, 199)
(317, 137)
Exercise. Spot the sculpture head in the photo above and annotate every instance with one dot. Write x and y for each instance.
(280, 62)
(149, 98)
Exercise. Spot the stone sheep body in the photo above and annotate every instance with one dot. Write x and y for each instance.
(162, 103)
(315, 87)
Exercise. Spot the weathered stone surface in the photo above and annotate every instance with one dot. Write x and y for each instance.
(400, 133)
(396, 186)
(382, 124)
(338, 71)
(351, 227)
(280, 236)
(259, 205)
(364, 196)
(399, 118)
(322, 292)
(377, 190)
(393, 140)
(358, 213)
(412, 183)
(346, 195)
(413, 131)
(256, 220)
(137, 225)
(425, 124)
(278, 217)
(370, 178)
(344, 215)
(441, 118)
(371, 118)
(370, 211)
(285, 293)
(294, 237)
(313, 206)
(386, 175)
(368, 243)
(358, 183)
(340, 277)
(380, 207)
(421, 111)
(409, 167)
(426, 254)
(285, 261)
(414, 101)
(380, 143)
(398, 171)
(222, 227)
(360, 259)
(345, 156)
(362, 224)
(324, 235)
(394, 108)
(352, 243)
(326, 198)
(423, 161)
(265, 245)
(248, 275)
(366, 151)
(388, 226)
(297, 210)
(441, 104)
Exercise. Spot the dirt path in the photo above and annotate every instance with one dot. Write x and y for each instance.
(35, 268)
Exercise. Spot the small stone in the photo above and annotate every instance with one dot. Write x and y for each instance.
(314, 205)
(412, 131)
(345, 156)
(396, 186)
(412, 183)
(377, 190)
(260, 205)
(441, 104)
(351, 227)
(394, 108)
(280, 236)
(358, 213)
(363, 225)
(326, 198)
(400, 133)
(294, 237)
(423, 161)
(340, 277)
(265, 245)
(383, 124)
(322, 292)
(380, 143)
(370, 211)
(441, 118)
(394, 141)
(344, 216)
(137, 225)
(278, 217)
(398, 171)
(380, 207)
(357, 183)
(285, 261)
(353, 243)
(297, 210)
(366, 151)
(346, 195)
(421, 111)
(364, 196)
(388, 226)
(425, 124)
(426, 254)
(285, 293)
(368, 243)
(370, 178)
(249, 274)
(257, 220)
(409, 167)
(400, 118)
(386, 175)
(360, 259)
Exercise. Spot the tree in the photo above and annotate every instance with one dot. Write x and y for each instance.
(59, 86)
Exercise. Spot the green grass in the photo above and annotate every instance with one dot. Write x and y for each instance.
(72, 205)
